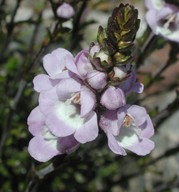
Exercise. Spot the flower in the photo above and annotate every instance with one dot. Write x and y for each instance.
(65, 11)
(69, 110)
(96, 79)
(85, 71)
(44, 145)
(55, 66)
(113, 98)
(130, 128)
(80, 93)
(163, 19)
(130, 85)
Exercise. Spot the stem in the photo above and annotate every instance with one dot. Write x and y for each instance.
(2, 2)
(146, 46)
(53, 8)
(11, 112)
(157, 73)
(76, 25)
(10, 28)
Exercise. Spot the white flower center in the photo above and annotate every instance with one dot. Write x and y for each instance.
(47, 134)
(129, 133)
(69, 112)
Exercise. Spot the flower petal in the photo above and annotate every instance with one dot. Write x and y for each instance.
(113, 98)
(55, 62)
(36, 121)
(147, 128)
(137, 87)
(151, 16)
(89, 130)
(87, 101)
(66, 88)
(43, 82)
(121, 113)
(129, 138)
(47, 100)
(68, 144)
(114, 145)
(41, 149)
(83, 64)
(109, 122)
(138, 114)
(64, 119)
(97, 79)
(143, 147)
(154, 4)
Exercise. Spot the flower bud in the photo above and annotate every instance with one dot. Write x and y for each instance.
(113, 98)
(65, 11)
(97, 80)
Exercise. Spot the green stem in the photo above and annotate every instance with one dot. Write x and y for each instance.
(143, 53)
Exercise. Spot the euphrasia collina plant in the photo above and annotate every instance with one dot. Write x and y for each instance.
(81, 95)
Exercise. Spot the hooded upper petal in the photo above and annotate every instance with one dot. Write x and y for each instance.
(137, 113)
(43, 82)
(55, 62)
(66, 88)
(83, 63)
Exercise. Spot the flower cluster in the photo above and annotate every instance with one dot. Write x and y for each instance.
(82, 94)
(163, 18)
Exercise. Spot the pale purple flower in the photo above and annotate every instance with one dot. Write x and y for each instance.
(131, 85)
(85, 71)
(163, 19)
(96, 79)
(130, 128)
(113, 98)
(65, 11)
(44, 145)
(69, 110)
(55, 65)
